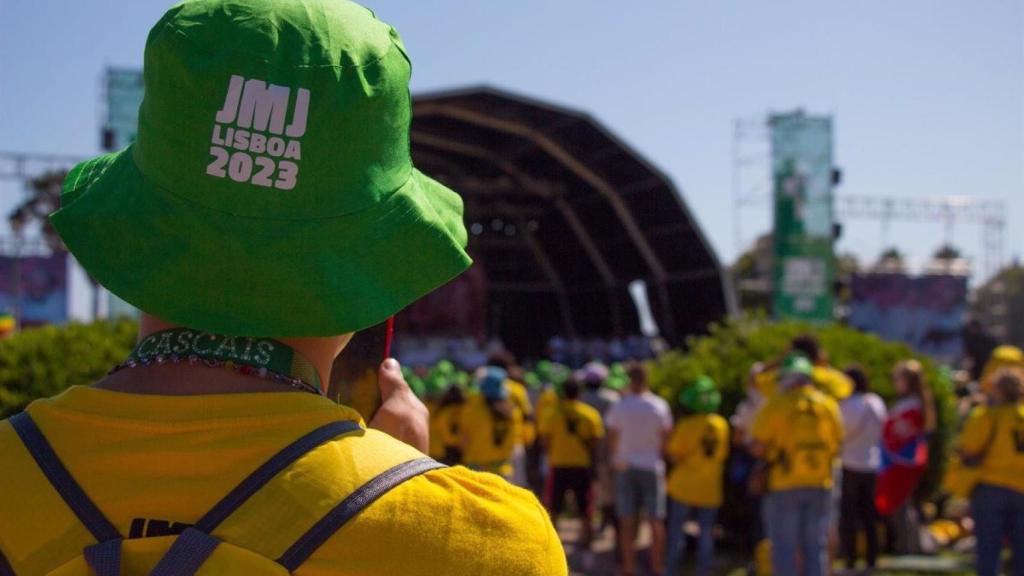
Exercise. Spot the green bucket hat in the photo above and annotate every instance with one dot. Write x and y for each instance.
(270, 191)
(796, 364)
(702, 396)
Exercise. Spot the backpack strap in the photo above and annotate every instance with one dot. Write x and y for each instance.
(55, 471)
(5, 566)
(104, 557)
(188, 552)
(351, 506)
(193, 546)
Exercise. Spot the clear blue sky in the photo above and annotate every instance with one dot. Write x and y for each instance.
(928, 95)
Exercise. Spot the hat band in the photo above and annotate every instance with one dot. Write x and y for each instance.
(263, 355)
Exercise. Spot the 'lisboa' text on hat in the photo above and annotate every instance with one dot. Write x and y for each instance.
(252, 108)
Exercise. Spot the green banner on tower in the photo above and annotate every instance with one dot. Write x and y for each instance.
(802, 186)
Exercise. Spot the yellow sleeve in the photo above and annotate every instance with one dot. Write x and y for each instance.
(466, 424)
(832, 382)
(765, 383)
(676, 446)
(837, 424)
(976, 432)
(521, 398)
(723, 440)
(595, 417)
(545, 423)
(453, 522)
(451, 426)
(763, 429)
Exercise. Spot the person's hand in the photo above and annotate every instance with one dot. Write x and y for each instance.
(401, 414)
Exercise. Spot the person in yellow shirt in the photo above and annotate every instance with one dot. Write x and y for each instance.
(570, 432)
(552, 375)
(255, 254)
(993, 440)
(444, 426)
(698, 448)
(520, 398)
(798, 434)
(489, 425)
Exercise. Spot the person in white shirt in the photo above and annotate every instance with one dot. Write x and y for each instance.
(863, 417)
(638, 426)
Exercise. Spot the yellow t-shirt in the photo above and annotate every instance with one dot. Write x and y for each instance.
(1003, 462)
(548, 399)
(444, 429)
(801, 430)
(571, 429)
(829, 380)
(832, 382)
(519, 396)
(150, 462)
(487, 443)
(698, 445)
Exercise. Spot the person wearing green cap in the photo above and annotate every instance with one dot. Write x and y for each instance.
(798, 434)
(698, 448)
(268, 209)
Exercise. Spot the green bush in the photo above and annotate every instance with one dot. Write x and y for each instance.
(732, 347)
(41, 362)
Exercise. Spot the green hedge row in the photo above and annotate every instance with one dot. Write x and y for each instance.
(41, 362)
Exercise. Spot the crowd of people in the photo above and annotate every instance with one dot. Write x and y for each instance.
(821, 463)
(213, 448)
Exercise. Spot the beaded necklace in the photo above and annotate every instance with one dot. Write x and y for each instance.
(263, 358)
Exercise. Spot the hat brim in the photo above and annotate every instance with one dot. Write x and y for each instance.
(235, 275)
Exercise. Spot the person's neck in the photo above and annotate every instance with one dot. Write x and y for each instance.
(319, 351)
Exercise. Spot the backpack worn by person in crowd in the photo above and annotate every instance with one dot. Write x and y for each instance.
(197, 549)
(803, 451)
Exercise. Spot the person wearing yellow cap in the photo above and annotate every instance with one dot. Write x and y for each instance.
(267, 211)
(798, 433)
(992, 441)
(698, 448)
(1005, 356)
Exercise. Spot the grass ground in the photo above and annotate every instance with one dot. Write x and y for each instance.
(602, 560)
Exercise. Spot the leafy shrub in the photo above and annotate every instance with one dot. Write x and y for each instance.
(732, 347)
(41, 362)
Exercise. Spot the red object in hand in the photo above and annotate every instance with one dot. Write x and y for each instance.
(389, 335)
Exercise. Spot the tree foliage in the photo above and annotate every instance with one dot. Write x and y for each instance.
(42, 199)
(41, 362)
(732, 347)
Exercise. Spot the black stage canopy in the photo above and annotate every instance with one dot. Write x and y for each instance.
(563, 216)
